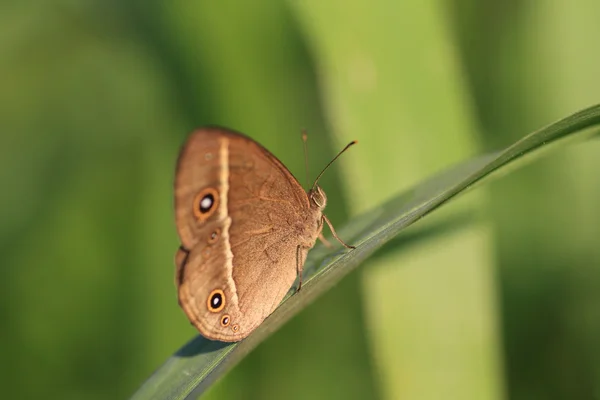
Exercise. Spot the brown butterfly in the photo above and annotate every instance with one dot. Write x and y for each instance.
(246, 225)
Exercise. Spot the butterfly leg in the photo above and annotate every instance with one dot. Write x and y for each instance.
(326, 242)
(335, 234)
(299, 266)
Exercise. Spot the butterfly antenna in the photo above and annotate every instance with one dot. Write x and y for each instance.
(304, 139)
(331, 162)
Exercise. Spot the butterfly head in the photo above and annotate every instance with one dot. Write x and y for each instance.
(317, 198)
(316, 195)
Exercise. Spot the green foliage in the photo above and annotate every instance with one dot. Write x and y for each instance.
(200, 362)
(493, 295)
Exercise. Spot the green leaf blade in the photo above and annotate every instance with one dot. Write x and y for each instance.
(198, 364)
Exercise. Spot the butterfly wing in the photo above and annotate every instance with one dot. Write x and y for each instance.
(241, 217)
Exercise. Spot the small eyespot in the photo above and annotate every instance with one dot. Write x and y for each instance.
(235, 328)
(206, 252)
(205, 203)
(214, 236)
(225, 320)
(247, 166)
(216, 300)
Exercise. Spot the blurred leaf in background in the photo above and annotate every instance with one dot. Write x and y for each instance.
(97, 96)
(529, 64)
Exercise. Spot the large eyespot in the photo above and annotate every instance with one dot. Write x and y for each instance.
(214, 236)
(225, 320)
(205, 203)
(216, 300)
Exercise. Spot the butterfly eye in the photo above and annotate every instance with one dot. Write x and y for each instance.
(216, 300)
(205, 203)
(225, 320)
(318, 197)
(214, 236)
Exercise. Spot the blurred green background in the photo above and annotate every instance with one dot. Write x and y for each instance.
(96, 97)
